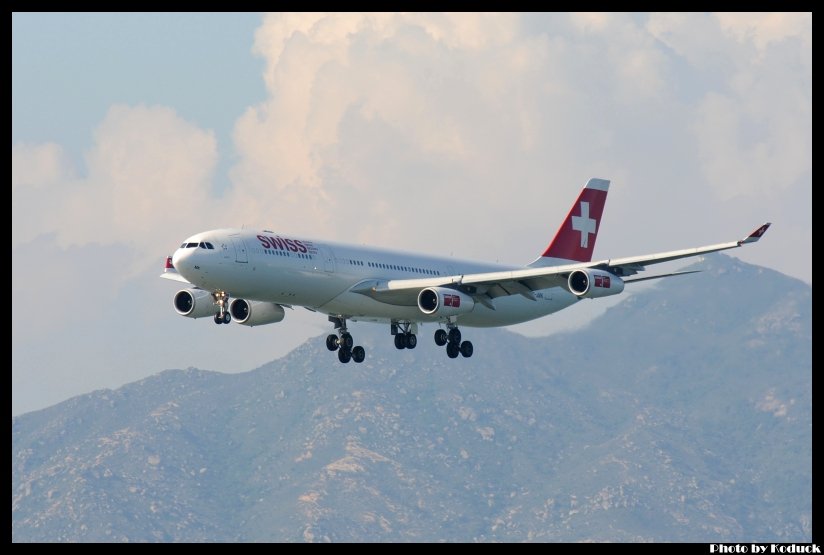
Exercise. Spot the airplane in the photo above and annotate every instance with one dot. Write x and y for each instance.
(251, 276)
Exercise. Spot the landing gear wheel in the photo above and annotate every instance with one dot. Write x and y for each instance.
(455, 336)
(452, 350)
(467, 349)
(227, 317)
(332, 342)
(346, 341)
(218, 319)
(358, 354)
(411, 341)
(400, 341)
(440, 338)
(344, 354)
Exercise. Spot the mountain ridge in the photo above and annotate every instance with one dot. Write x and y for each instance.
(649, 424)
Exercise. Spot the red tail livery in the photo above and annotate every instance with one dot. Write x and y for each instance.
(575, 239)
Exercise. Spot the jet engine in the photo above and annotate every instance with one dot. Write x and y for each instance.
(591, 284)
(194, 303)
(255, 313)
(442, 301)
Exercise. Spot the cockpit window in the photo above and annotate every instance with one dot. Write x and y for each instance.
(202, 245)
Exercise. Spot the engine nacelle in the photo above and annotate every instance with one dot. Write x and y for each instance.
(442, 301)
(591, 284)
(194, 303)
(255, 313)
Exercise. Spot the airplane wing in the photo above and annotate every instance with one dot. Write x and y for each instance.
(634, 264)
(485, 287)
(176, 277)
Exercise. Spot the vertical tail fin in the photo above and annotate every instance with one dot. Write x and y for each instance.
(575, 239)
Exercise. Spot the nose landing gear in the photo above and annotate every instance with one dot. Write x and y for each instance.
(222, 301)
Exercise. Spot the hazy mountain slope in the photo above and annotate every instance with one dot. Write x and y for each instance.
(683, 413)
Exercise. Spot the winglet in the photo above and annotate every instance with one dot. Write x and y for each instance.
(755, 235)
(169, 272)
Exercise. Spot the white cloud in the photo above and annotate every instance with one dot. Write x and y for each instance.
(404, 129)
(147, 185)
(38, 165)
(696, 37)
(763, 28)
(40, 175)
(595, 22)
(464, 133)
(752, 117)
(151, 172)
(431, 115)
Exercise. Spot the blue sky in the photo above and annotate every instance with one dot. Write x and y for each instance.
(131, 132)
(69, 68)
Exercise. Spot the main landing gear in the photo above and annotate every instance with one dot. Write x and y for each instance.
(404, 333)
(405, 338)
(452, 340)
(343, 343)
(222, 301)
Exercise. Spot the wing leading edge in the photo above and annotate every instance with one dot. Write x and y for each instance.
(484, 287)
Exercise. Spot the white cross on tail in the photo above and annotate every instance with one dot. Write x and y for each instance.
(584, 224)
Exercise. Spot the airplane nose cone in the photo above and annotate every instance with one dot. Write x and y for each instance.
(176, 257)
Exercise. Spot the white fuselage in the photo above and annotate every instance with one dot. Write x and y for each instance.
(264, 266)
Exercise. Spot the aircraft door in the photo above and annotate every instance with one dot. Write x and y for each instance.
(240, 249)
(328, 260)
